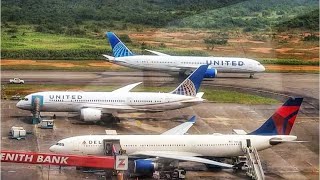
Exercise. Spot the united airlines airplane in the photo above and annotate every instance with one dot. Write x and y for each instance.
(179, 64)
(92, 105)
(175, 145)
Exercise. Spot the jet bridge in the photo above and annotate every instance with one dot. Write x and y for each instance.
(252, 161)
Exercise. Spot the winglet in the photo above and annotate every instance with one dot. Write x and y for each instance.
(191, 85)
(281, 122)
(192, 119)
(182, 128)
(118, 47)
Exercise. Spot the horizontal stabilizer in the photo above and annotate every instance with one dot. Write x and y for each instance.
(200, 94)
(286, 141)
(239, 131)
(111, 58)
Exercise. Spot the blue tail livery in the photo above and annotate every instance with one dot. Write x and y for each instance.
(118, 48)
(281, 122)
(191, 85)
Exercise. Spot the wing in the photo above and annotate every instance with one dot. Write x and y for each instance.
(126, 88)
(157, 53)
(182, 156)
(182, 128)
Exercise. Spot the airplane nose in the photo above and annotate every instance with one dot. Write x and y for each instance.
(52, 148)
(19, 104)
(262, 68)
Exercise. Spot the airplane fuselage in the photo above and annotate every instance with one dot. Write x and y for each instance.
(194, 145)
(60, 101)
(184, 64)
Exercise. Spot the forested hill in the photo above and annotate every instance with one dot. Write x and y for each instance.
(53, 15)
(71, 12)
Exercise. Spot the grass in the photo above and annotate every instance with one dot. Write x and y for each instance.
(26, 38)
(218, 96)
(289, 62)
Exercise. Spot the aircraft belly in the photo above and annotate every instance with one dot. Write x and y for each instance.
(61, 107)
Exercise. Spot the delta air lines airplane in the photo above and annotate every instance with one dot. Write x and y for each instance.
(180, 64)
(92, 105)
(175, 145)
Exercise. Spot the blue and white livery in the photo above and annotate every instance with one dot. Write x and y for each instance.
(179, 64)
(92, 105)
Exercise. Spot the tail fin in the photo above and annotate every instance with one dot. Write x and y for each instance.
(118, 48)
(281, 122)
(191, 85)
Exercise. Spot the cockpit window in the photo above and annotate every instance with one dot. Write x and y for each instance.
(26, 99)
(60, 144)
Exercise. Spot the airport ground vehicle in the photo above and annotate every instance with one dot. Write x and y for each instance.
(16, 81)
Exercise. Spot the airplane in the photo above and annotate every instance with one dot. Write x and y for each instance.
(175, 145)
(92, 105)
(183, 65)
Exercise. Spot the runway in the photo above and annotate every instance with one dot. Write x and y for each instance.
(284, 161)
(286, 83)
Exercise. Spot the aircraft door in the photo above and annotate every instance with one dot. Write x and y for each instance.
(129, 100)
(75, 146)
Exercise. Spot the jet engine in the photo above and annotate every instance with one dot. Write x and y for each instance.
(145, 166)
(90, 114)
(210, 73)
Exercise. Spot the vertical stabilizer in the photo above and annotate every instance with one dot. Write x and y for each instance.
(281, 122)
(118, 47)
(191, 85)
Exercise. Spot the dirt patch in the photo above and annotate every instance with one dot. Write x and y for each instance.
(102, 64)
(244, 41)
(105, 64)
(34, 63)
(261, 50)
(283, 50)
(291, 68)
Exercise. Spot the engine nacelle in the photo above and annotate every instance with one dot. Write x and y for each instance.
(210, 73)
(145, 166)
(90, 114)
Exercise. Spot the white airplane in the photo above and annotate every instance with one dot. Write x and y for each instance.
(181, 64)
(92, 105)
(176, 146)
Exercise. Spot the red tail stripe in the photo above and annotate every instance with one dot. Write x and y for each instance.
(285, 111)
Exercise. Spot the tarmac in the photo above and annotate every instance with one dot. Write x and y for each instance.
(284, 161)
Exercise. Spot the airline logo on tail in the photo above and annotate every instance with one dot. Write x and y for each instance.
(118, 48)
(187, 89)
(191, 85)
(281, 122)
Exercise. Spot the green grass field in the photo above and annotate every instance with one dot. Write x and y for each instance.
(27, 38)
(218, 96)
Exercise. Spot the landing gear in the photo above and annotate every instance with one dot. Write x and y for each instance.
(251, 75)
(116, 119)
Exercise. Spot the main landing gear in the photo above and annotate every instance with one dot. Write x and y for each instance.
(251, 75)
